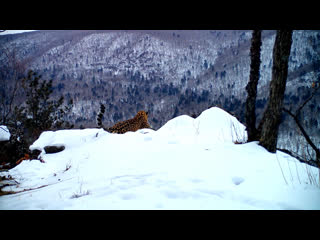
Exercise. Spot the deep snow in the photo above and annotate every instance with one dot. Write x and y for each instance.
(187, 164)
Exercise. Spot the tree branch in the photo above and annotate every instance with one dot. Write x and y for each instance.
(9, 96)
(306, 136)
(303, 104)
(295, 155)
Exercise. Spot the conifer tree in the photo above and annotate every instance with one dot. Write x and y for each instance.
(41, 112)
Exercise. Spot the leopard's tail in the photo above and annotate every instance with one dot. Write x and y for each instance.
(100, 116)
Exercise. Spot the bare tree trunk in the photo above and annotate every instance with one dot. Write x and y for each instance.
(270, 122)
(250, 114)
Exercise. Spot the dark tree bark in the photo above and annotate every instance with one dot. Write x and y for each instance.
(271, 119)
(250, 115)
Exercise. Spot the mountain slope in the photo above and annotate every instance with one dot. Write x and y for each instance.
(167, 73)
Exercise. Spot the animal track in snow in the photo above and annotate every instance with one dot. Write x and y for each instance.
(237, 180)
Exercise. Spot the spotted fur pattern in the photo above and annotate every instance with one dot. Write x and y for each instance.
(138, 122)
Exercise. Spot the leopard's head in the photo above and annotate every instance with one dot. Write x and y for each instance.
(142, 115)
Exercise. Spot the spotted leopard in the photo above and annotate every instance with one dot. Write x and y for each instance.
(140, 121)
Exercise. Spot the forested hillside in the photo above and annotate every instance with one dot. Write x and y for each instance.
(167, 73)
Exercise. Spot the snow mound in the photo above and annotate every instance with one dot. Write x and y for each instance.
(69, 138)
(178, 130)
(211, 126)
(4, 133)
(187, 164)
(216, 125)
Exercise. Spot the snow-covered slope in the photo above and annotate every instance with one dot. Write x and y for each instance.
(4, 133)
(187, 164)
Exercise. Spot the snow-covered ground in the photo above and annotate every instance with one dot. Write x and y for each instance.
(187, 164)
(4, 133)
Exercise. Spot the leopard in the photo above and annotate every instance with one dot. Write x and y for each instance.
(140, 121)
